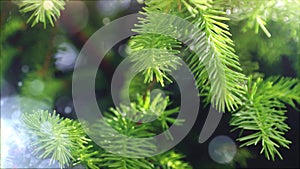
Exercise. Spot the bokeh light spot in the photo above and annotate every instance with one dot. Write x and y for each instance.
(105, 20)
(123, 50)
(65, 57)
(37, 87)
(140, 1)
(222, 149)
(68, 109)
(111, 7)
(25, 68)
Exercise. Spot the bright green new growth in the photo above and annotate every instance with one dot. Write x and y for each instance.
(216, 70)
(65, 141)
(54, 137)
(220, 63)
(42, 10)
(263, 113)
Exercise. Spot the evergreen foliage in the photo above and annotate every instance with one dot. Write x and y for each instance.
(65, 141)
(263, 117)
(54, 137)
(228, 77)
(42, 10)
(217, 56)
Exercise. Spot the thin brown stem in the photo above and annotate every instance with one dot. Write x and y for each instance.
(47, 62)
(149, 88)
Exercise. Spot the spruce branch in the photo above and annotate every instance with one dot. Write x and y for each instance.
(133, 121)
(286, 89)
(123, 128)
(156, 107)
(53, 136)
(154, 63)
(88, 154)
(217, 70)
(154, 56)
(219, 74)
(113, 161)
(42, 10)
(263, 117)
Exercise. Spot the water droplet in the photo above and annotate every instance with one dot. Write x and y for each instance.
(228, 11)
(192, 47)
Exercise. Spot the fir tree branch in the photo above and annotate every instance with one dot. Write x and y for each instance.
(263, 117)
(221, 61)
(54, 137)
(217, 70)
(42, 10)
(154, 55)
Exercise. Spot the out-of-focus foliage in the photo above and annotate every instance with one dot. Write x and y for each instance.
(279, 21)
(8, 52)
(241, 157)
(41, 87)
(256, 14)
